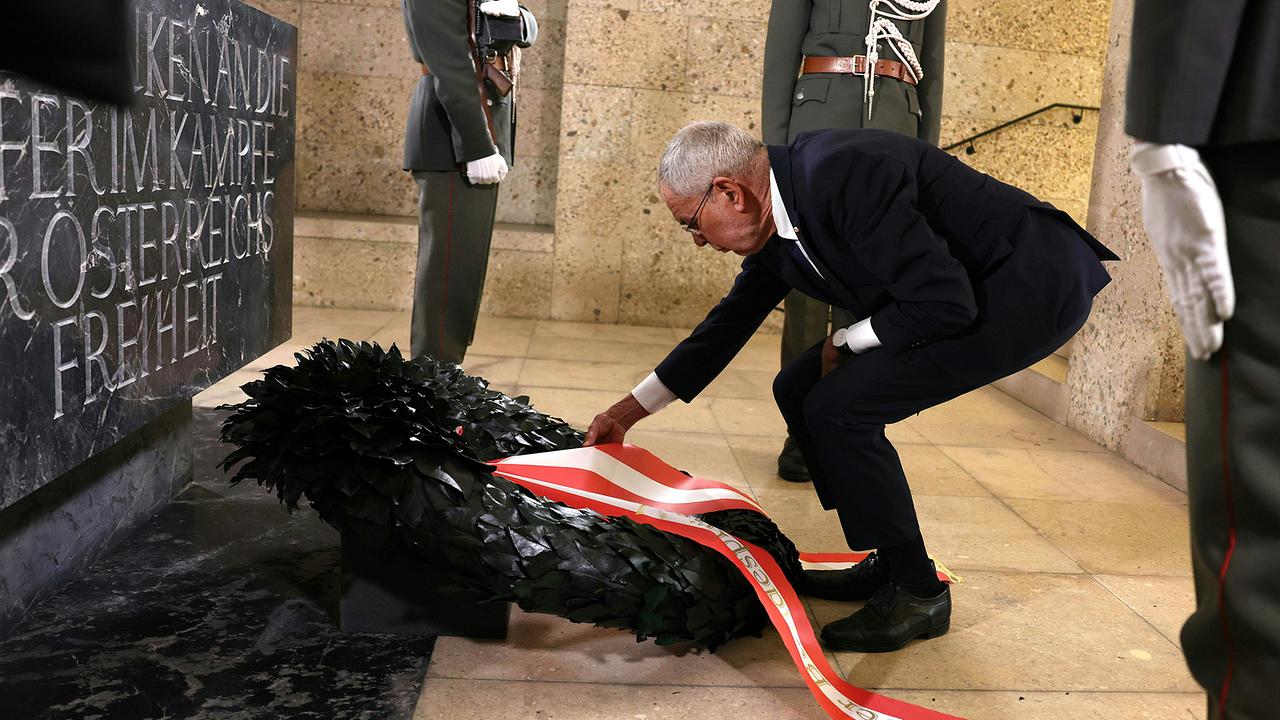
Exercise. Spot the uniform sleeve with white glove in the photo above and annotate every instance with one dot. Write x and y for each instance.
(487, 170)
(1183, 216)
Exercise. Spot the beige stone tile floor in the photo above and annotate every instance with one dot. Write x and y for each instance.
(1075, 564)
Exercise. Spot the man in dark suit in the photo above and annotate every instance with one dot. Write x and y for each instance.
(1203, 105)
(815, 78)
(959, 280)
(458, 144)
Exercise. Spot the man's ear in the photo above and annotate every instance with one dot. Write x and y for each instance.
(732, 190)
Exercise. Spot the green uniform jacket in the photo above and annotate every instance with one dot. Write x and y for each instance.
(838, 28)
(446, 125)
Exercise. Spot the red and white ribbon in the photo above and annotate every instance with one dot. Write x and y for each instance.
(628, 481)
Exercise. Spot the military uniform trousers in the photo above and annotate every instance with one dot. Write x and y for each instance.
(831, 100)
(1232, 640)
(455, 226)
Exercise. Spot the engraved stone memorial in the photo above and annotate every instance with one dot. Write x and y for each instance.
(145, 253)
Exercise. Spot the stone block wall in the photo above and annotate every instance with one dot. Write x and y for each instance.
(355, 76)
(607, 84)
(1128, 363)
(637, 70)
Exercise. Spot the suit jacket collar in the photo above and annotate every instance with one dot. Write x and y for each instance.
(780, 162)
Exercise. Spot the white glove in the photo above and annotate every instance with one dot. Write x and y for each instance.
(487, 170)
(500, 8)
(1183, 215)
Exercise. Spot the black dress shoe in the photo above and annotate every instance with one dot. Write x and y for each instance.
(890, 620)
(859, 582)
(791, 465)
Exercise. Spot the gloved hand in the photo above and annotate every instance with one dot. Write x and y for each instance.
(1183, 215)
(487, 170)
(500, 8)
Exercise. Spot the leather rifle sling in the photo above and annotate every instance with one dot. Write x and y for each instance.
(478, 62)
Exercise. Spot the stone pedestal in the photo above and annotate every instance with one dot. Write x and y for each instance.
(396, 593)
(47, 537)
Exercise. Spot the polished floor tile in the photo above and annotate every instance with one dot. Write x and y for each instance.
(1165, 602)
(583, 375)
(983, 533)
(605, 332)
(587, 351)
(989, 418)
(736, 416)
(552, 649)
(1065, 705)
(1113, 538)
(1027, 631)
(469, 700)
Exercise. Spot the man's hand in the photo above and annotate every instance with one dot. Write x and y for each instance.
(611, 426)
(1183, 215)
(831, 357)
(487, 170)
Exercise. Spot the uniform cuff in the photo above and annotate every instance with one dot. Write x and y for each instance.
(652, 394)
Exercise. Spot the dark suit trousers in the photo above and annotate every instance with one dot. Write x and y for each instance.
(454, 230)
(1232, 641)
(838, 421)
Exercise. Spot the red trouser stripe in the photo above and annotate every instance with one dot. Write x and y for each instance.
(1221, 711)
(448, 241)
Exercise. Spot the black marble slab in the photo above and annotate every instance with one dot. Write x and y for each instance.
(145, 251)
(222, 606)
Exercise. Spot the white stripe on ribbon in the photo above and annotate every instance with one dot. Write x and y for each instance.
(626, 477)
(756, 575)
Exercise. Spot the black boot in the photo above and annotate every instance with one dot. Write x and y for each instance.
(790, 463)
(859, 582)
(890, 620)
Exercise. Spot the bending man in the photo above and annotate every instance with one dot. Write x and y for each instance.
(958, 279)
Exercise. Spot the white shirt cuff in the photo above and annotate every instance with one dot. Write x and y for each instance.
(652, 394)
(861, 337)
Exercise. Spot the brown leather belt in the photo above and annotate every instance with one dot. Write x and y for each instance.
(499, 62)
(857, 65)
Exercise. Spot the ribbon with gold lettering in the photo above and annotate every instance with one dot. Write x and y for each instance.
(628, 481)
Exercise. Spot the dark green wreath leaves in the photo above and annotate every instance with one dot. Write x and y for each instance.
(392, 450)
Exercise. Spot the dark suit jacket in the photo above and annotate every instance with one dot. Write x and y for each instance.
(1204, 72)
(906, 235)
(446, 125)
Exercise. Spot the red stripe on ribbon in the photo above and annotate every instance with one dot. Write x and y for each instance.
(583, 487)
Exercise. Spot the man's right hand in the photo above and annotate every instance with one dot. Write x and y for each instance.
(611, 426)
(487, 170)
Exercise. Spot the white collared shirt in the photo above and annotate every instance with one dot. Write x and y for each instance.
(653, 395)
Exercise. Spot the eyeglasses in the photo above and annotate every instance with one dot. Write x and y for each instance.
(692, 225)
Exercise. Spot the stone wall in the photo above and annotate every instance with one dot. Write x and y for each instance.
(355, 77)
(1127, 364)
(637, 70)
(605, 87)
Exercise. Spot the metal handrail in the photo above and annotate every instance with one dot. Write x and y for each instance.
(1076, 117)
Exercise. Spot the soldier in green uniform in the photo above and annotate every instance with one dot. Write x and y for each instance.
(816, 74)
(458, 144)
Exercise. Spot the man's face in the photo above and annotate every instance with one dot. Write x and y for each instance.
(729, 220)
